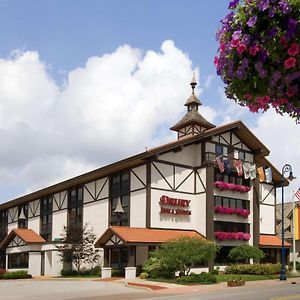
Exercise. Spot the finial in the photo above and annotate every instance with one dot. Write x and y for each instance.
(193, 82)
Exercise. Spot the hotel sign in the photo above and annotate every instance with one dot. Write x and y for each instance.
(174, 206)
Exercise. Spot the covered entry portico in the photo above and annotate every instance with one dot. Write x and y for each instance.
(125, 248)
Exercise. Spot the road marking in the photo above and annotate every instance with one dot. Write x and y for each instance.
(296, 296)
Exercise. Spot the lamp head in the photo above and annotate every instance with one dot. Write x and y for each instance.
(291, 176)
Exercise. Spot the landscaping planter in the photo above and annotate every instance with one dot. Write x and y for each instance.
(233, 283)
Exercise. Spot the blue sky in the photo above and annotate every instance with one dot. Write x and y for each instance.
(54, 50)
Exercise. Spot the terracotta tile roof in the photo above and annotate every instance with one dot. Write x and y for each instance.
(144, 235)
(27, 235)
(271, 241)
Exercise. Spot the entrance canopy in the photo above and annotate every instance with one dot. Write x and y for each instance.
(271, 241)
(20, 236)
(118, 235)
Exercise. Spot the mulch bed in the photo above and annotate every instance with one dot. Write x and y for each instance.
(145, 285)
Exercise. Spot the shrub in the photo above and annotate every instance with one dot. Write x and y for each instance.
(215, 271)
(74, 273)
(290, 265)
(244, 252)
(255, 269)
(16, 275)
(116, 273)
(2, 272)
(144, 275)
(156, 268)
(181, 255)
(198, 278)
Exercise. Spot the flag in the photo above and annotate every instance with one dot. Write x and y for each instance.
(297, 194)
(268, 173)
(246, 169)
(227, 166)
(261, 174)
(219, 161)
(239, 167)
(253, 171)
(297, 223)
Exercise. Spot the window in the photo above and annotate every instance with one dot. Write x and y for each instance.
(75, 205)
(120, 191)
(46, 218)
(232, 178)
(222, 255)
(219, 150)
(23, 216)
(18, 260)
(242, 155)
(231, 202)
(3, 224)
(231, 227)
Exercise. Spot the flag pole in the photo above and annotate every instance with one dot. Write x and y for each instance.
(294, 272)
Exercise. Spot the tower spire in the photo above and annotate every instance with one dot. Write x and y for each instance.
(192, 123)
(193, 83)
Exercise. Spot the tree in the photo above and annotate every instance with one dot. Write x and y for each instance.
(245, 252)
(78, 246)
(181, 255)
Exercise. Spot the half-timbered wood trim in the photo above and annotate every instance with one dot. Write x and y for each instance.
(270, 191)
(163, 177)
(173, 164)
(174, 191)
(103, 185)
(148, 194)
(138, 178)
(198, 175)
(183, 181)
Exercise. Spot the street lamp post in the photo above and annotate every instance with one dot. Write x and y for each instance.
(286, 169)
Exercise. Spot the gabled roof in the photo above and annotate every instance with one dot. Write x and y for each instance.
(192, 117)
(240, 129)
(27, 235)
(266, 241)
(193, 99)
(134, 235)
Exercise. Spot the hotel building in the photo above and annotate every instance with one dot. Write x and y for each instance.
(135, 204)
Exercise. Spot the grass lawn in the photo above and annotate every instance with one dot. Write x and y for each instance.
(226, 277)
(246, 277)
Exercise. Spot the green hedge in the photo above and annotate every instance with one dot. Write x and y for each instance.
(254, 269)
(16, 275)
(198, 278)
(89, 272)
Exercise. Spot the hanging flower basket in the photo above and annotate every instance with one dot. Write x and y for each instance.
(259, 55)
(221, 185)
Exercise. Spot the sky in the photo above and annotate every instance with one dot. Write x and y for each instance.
(87, 83)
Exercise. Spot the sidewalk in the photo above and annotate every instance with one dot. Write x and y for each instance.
(170, 288)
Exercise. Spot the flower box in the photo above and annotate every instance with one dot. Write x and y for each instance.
(222, 236)
(234, 283)
(230, 211)
(221, 185)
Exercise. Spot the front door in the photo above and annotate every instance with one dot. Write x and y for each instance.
(119, 257)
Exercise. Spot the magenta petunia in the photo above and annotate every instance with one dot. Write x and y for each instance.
(290, 63)
(294, 49)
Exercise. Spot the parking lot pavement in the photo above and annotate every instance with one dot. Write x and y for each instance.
(67, 290)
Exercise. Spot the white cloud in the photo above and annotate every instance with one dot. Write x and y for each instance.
(113, 107)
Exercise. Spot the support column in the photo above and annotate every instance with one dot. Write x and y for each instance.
(256, 214)
(105, 257)
(148, 194)
(210, 208)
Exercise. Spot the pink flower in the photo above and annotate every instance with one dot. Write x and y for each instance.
(234, 43)
(253, 50)
(216, 61)
(294, 49)
(292, 90)
(222, 47)
(253, 108)
(290, 62)
(241, 48)
(283, 41)
(247, 236)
